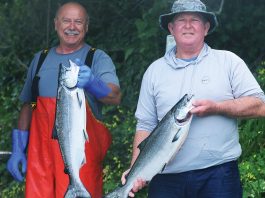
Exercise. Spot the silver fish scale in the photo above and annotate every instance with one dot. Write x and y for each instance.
(156, 144)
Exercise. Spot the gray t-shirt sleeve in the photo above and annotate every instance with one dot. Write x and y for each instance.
(104, 68)
(145, 114)
(25, 95)
(242, 81)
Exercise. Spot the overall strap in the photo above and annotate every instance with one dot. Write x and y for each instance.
(89, 56)
(35, 82)
(90, 99)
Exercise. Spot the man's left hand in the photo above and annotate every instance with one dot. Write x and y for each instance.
(91, 83)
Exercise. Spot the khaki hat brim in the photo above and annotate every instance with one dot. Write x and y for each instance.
(166, 18)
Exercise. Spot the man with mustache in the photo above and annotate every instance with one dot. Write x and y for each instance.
(43, 165)
(224, 90)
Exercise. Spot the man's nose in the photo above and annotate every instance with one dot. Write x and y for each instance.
(72, 25)
(187, 24)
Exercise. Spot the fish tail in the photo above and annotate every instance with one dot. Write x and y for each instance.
(119, 192)
(76, 191)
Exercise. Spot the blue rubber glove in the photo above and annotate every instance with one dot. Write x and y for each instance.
(91, 83)
(19, 144)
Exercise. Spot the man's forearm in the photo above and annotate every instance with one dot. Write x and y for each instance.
(25, 117)
(114, 97)
(242, 107)
(138, 138)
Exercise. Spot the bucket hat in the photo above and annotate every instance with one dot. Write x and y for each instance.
(181, 6)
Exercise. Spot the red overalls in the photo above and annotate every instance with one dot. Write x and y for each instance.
(45, 169)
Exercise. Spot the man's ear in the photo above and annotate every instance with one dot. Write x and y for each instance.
(86, 28)
(170, 28)
(55, 24)
(207, 27)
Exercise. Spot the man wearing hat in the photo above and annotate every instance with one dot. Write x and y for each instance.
(224, 90)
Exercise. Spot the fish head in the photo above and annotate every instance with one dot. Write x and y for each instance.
(182, 109)
(69, 75)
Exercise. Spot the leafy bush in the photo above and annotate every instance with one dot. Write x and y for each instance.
(253, 175)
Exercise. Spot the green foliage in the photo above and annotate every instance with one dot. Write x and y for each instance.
(252, 136)
(13, 191)
(118, 158)
(128, 30)
(239, 30)
(253, 174)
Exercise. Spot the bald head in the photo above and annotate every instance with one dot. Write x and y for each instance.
(71, 5)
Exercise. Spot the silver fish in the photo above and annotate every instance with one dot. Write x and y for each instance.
(159, 147)
(70, 127)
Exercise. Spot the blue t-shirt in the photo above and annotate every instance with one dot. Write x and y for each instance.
(102, 67)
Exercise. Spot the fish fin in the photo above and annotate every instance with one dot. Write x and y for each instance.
(79, 99)
(54, 130)
(163, 167)
(66, 171)
(84, 161)
(87, 139)
(142, 144)
(85, 135)
(176, 137)
(54, 133)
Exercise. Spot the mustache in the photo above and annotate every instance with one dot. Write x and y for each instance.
(73, 32)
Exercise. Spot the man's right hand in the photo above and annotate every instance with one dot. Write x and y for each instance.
(19, 144)
(138, 184)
